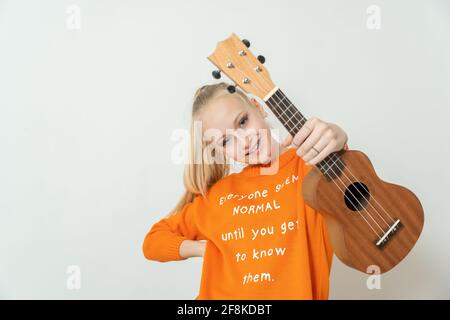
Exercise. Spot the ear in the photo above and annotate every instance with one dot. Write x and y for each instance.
(258, 106)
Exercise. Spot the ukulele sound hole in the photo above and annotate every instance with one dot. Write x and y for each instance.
(356, 196)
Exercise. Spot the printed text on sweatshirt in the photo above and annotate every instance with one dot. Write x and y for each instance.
(263, 241)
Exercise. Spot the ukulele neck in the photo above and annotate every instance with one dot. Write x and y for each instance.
(293, 120)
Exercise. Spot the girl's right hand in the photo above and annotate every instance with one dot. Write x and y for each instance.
(192, 248)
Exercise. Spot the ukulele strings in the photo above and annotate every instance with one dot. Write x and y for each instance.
(343, 192)
(345, 195)
(350, 180)
(351, 201)
(331, 168)
(303, 121)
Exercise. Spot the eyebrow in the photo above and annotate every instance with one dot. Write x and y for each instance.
(234, 122)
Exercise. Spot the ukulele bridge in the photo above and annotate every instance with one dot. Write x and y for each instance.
(388, 234)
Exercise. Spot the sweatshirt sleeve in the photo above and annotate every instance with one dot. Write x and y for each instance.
(162, 242)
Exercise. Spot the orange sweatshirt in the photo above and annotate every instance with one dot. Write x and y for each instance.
(263, 241)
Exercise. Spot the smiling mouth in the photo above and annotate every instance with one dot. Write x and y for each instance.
(254, 148)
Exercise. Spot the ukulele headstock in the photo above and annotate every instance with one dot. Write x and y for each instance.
(233, 57)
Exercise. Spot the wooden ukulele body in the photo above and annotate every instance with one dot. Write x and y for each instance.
(353, 240)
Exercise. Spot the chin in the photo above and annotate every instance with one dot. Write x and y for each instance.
(264, 158)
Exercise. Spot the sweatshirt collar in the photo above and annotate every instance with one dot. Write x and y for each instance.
(284, 158)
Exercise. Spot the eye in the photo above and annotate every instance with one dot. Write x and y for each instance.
(243, 120)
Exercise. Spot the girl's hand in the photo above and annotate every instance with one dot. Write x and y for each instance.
(316, 140)
(192, 248)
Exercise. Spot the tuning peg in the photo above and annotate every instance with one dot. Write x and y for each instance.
(231, 89)
(216, 74)
(261, 59)
(246, 42)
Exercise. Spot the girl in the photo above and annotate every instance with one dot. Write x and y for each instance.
(263, 241)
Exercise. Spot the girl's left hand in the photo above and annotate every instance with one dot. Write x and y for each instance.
(316, 140)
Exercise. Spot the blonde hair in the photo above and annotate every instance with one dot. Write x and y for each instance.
(198, 178)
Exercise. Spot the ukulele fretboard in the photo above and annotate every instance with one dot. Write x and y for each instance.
(293, 120)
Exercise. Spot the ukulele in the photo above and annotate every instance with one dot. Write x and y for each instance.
(371, 223)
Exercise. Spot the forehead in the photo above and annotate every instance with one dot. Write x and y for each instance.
(221, 112)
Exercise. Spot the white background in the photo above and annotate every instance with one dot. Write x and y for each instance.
(87, 116)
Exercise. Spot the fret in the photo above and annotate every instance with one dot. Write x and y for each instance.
(330, 165)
